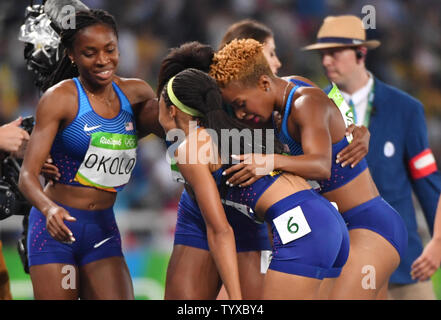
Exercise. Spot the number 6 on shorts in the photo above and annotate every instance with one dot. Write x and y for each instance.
(292, 225)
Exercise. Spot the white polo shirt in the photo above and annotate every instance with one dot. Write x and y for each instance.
(360, 100)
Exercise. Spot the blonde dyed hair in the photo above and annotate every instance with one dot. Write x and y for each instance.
(242, 61)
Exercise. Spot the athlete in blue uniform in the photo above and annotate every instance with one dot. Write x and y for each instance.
(199, 56)
(309, 236)
(314, 129)
(202, 279)
(90, 126)
(196, 55)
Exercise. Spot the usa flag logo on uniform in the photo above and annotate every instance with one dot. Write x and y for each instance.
(129, 126)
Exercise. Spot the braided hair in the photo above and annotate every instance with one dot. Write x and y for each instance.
(83, 19)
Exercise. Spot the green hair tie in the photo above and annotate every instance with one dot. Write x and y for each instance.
(179, 104)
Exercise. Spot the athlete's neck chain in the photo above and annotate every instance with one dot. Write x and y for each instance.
(102, 99)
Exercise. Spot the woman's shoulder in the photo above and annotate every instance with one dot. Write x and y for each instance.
(64, 91)
(121, 81)
(300, 78)
(136, 90)
(311, 101)
(59, 101)
(197, 139)
(312, 92)
(65, 87)
(198, 147)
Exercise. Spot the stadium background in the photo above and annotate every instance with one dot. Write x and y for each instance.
(409, 58)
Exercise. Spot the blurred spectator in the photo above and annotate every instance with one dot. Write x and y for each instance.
(399, 150)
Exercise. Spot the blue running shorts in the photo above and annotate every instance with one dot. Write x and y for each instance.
(378, 216)
(309, 235)
(96, 237)
(191, 230)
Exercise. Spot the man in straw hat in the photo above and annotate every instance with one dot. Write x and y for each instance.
(399, 156)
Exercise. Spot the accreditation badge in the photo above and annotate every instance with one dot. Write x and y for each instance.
(109, 161)
(346, 111)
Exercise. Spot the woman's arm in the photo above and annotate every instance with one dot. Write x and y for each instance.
(311, 114)
(145, 107)
(358, 148)
(219, 232)
(49, 116)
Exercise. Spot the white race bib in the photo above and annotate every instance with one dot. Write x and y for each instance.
(292, 225)
(265, 260)
(335, 205)
(109, 161)
(176, 174)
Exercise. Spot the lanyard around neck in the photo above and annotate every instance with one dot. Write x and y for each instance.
(368, 112)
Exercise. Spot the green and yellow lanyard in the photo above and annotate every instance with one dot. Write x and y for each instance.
(367, 117)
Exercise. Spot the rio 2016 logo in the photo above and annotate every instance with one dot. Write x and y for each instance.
(131, 143)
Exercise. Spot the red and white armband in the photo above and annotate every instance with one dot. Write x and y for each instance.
(422, 164)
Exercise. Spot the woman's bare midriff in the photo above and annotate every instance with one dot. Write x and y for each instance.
(358, 191)
(83, 198)
(284, 186)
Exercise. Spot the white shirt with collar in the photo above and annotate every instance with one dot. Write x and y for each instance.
(360, 100)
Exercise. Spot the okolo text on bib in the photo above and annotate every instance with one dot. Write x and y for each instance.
(109, 161)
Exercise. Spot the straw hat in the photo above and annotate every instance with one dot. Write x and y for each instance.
(342, 31)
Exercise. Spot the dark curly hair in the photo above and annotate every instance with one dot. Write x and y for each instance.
(189, 55)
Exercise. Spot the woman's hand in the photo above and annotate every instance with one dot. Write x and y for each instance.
(357, 149)
(55, 225)
(428, 262)
(251, 168)
(50, 171)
